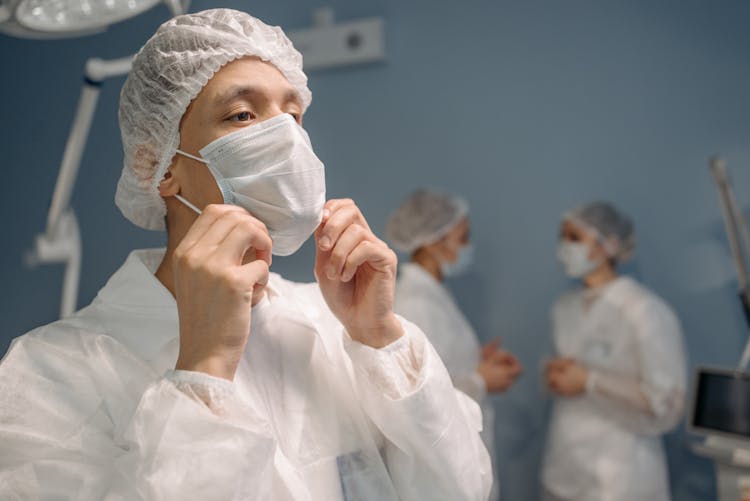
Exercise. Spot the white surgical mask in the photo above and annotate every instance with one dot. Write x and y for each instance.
(270, 170)
(574, 257)
(461, 265)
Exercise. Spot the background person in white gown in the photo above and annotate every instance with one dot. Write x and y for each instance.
(433, 228)
(619, 374)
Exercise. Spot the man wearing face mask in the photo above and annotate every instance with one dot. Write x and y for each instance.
(196, 373)
(619, 374)
(433, 227)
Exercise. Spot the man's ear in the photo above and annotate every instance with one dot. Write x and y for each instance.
(169, 185)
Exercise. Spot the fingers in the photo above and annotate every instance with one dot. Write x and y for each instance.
(338, 215)
(226, 232)
(345, 244)
(255, 273)
(376, 254)
(553, 384)
(552, 366)
(243, 236)
(559, 364)
(245, 281)
(333, 206)
(516, 367)
(503, 357)
(205, 221)
(490, 348)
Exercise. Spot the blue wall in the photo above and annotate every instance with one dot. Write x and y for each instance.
(524, 107)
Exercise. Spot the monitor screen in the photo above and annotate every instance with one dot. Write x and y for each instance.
(722, 402)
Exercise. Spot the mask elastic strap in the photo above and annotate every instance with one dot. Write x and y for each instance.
(188, 204)
(191, 156)
(180, 197)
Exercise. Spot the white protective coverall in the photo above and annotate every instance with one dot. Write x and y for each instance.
(605, 445)
(91, 408)
(426, 302)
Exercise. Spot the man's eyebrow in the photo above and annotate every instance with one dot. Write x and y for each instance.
(292, 96)
(234, 92)
(239, 91)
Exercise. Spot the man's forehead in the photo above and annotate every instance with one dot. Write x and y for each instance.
(250, 77)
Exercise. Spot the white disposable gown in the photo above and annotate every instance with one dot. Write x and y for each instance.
(91, 408)
(421, 299)
(605, 445)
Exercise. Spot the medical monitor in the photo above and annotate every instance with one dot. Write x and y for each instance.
(721, 403)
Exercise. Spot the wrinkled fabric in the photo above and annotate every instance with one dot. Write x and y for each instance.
(426, 302)
(92, 408)
(605, 445)
(169, 72)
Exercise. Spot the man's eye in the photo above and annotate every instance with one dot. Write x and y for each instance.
(242, 116)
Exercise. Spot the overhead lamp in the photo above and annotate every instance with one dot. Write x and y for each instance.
(67, 18)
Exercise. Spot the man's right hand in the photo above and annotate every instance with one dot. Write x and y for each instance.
(499, 369)
(220, 271)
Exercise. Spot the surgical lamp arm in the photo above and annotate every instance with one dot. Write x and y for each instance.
(97, 70)
(61, 241)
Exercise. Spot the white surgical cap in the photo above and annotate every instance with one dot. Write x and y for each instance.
(167, 74)
(423, 218)
(610, 226)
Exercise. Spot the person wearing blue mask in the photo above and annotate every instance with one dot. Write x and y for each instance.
(433, 228)
(619, 372)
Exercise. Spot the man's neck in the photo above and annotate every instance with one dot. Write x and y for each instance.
(165, 271)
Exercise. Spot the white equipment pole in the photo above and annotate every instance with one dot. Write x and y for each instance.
(739, 237)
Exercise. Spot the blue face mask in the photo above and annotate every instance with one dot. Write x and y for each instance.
(462, 263)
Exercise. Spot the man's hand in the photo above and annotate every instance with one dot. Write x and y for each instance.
(498, 368)
(220, 271)
(357, 274)
(566, 377)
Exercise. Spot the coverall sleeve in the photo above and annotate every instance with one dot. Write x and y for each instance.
(433, 448)
(652, 403)
(84, 418)
(428, 320)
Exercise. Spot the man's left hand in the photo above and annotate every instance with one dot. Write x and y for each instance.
(356, 272)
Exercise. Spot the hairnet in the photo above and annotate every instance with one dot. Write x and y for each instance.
(168, 73)
(423, 218)
(613, 228)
